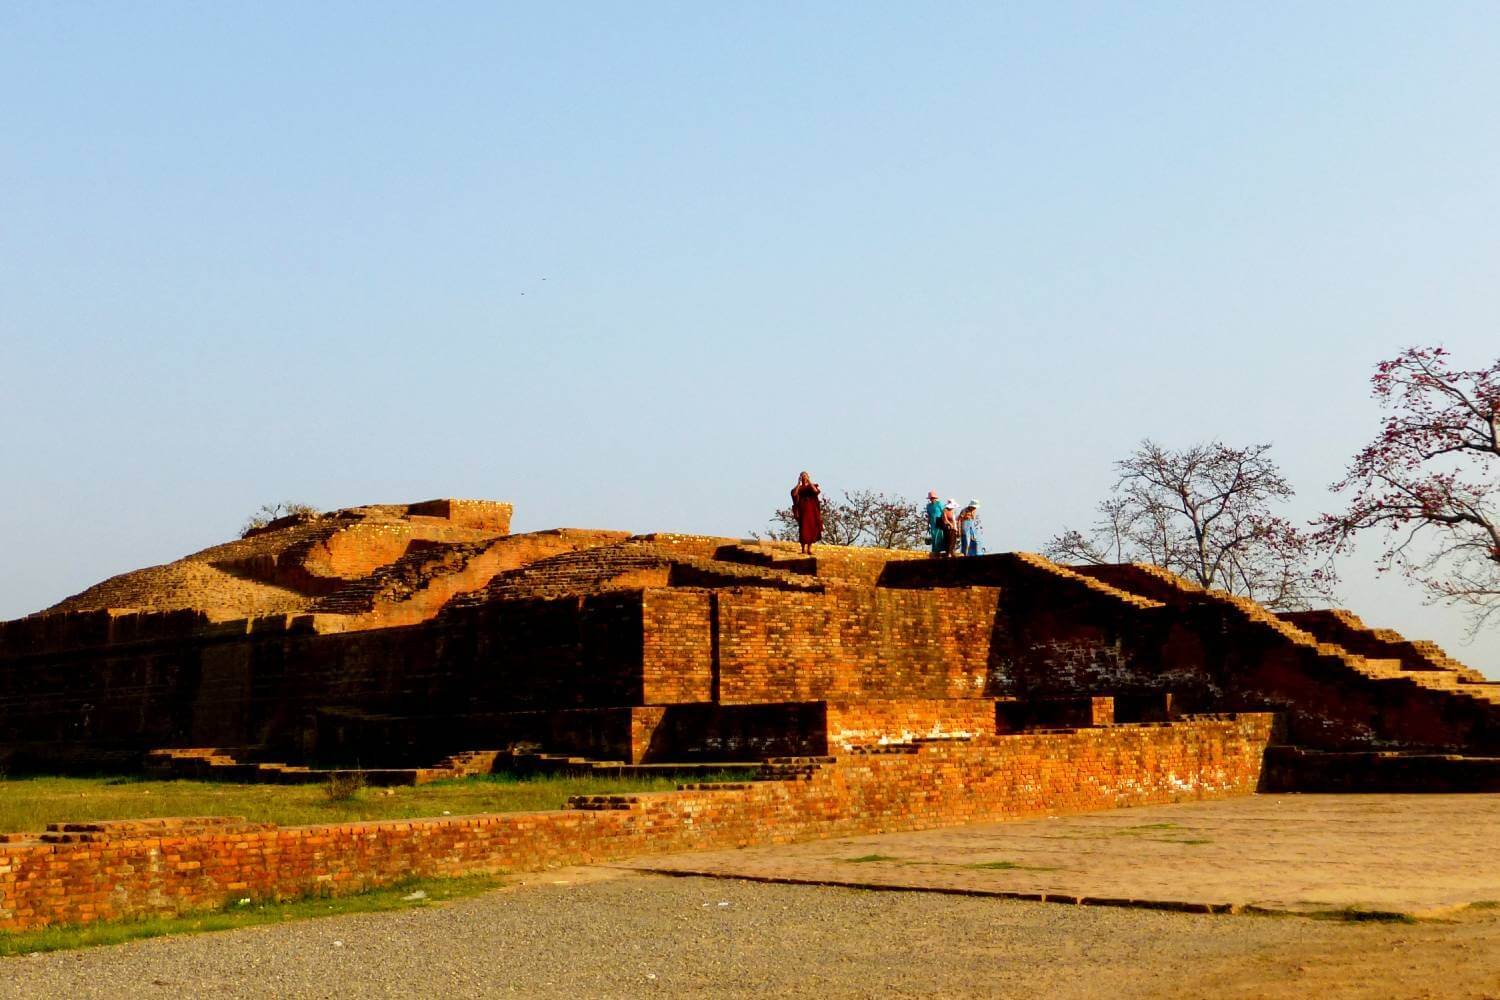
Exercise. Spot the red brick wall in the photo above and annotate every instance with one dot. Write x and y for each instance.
(850, 642)
(1065, 634)
(141, 871)
(266, 687)
(486, 514)
(677, 659)
(861, 723)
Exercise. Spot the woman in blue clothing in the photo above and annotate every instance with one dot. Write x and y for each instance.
(968, 529)
(935, 524)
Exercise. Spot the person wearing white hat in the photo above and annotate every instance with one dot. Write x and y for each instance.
(968, 529)
(935, 524)
(950, 529)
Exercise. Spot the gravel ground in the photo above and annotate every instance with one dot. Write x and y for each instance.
(609, 934)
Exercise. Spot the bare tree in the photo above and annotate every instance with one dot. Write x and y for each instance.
(862, 517)
(1205, 514)
(1430, 480)
(269, 512)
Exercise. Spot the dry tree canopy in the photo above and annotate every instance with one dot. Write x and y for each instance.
(1428, 485)
(862, 517)
(1205, 513)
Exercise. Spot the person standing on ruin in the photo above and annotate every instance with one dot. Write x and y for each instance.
(968, 530)
(950, 529)
(807, 508)
(935, 524)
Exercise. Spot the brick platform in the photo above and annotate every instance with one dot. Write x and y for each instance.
(85, 872)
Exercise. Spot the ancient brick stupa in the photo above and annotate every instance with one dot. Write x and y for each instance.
(395, 636)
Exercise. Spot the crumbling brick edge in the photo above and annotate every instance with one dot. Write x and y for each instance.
(114, 871)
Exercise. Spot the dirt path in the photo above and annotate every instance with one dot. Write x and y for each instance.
(611, 934)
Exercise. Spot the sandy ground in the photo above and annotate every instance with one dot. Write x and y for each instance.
(918, 915)
(1420, 855)
(610, 933)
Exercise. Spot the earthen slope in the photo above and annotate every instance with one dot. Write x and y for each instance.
(292, 563)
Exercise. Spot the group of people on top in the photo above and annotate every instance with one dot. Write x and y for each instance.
(950, 531)
(953, 534)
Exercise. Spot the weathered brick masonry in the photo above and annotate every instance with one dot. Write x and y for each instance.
(424, 630)
(111, 871)
(393, 636)
(853, 642)
(1131, 630)
(267, 686)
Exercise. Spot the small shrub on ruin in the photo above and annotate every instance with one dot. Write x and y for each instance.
(343, 786)
(269, 512)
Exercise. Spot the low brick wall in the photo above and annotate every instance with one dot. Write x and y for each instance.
(860, 722)
(112, 871)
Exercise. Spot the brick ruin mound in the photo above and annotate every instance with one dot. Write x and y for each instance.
(294, 562)
(426, 639)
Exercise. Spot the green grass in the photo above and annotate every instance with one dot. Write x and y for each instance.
(29, 804)
(865, 858)
(1137, 831)
(246, 914)
(1354, 915)
(1009, 866)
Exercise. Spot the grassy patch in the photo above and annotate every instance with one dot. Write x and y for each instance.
(1009, 866)
(1137, 831)
(865, 858)
(1354, 915)
(234, 914)
(29, 804)
(1485, 904)
(1182, 840)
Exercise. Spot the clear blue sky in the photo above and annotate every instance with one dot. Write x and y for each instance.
(635, 265)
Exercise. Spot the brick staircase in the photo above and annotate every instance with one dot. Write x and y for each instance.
(692, 571)
(1344, 628)
(423, 564)
(1399, 663)
(225, 764)
(219, 764)
(430, 575)
(791, 768)
(584, 572)
(470, 763)
(1080, 578)
(628, 564)
(999, 570)
(835, 563)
